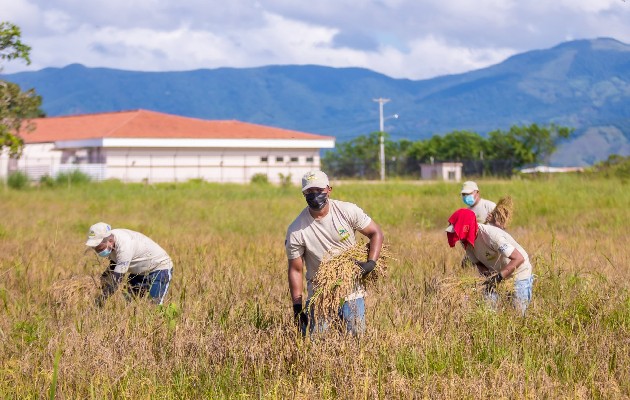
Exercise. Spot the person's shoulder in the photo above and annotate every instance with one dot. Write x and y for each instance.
(344, 205)
(494, 231)
(121, 232)
(300, 222)
(489, 203)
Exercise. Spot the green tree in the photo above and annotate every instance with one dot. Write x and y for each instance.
(358, 157)
(531, 144)
(16, 106)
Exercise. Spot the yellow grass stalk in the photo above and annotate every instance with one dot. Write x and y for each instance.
(338, 276)
(74, 290)
(502, 213)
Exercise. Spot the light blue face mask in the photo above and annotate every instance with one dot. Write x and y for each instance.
(469, 199)
(105, 252)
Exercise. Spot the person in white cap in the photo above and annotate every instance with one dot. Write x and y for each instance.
(323, 226)
(149, 267)
(496, 255)
(471, 197)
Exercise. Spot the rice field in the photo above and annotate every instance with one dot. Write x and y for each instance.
(227, 331)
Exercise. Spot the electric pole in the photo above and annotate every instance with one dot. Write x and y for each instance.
(380, 102)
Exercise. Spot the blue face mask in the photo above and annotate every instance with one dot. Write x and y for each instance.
(469, 199)
(105, 252)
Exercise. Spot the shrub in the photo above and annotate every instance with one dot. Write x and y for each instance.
(18, 180)
(260, 179)
(285, 180)
(74, 177)
(46, 181)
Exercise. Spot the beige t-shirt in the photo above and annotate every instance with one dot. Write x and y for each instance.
(482, 209)
(493, 248)
(136, 253)
(313, 239)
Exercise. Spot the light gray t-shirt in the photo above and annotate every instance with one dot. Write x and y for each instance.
(137, 254)
(313, 239)
(493, 248)
(482, 209)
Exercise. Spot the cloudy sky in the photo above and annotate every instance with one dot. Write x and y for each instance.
(412, 39)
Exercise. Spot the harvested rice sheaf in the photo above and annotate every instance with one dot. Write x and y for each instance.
(502, 213)
(338, 276)
(74, 290)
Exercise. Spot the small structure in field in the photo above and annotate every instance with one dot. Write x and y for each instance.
(441, 171)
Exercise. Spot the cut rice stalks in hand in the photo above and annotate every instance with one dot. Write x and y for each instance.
(74, 290)
(339, 276)
(502, 213)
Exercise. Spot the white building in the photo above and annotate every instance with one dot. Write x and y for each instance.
(147, 146)
(443, 171)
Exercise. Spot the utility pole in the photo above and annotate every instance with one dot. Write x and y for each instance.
(380, 102)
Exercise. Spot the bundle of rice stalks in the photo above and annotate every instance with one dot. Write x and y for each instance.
(74, 290)
(458, 290)
(502, 213)
(338, 276)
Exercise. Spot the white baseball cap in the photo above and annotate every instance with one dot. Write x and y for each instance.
(450, 228)
(97, 233)
(314, 179)
(469, 187)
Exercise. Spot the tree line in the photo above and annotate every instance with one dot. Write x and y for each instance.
(499, 153)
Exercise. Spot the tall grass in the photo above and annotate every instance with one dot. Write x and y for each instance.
(228, 331)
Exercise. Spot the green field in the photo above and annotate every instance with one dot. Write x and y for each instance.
(228, 330)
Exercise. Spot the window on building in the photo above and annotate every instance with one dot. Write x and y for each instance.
(451, 175)
(294, 159)
(264, 159)
(279, 159)
(310, 159)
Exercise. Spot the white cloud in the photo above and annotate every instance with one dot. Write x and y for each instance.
(401, 38)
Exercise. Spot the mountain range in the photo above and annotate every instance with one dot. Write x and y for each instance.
(583, 84)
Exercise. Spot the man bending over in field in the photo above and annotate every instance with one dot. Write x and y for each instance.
(150, 268)
(322, 226)
(495, 253)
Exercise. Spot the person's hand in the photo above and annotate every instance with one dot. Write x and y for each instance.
(300, 316)
(366, 267)
(492, 282)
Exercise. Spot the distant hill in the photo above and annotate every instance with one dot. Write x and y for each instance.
(583, 84)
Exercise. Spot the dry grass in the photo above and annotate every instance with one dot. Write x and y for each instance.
(339, 275)
(73, 291)
(228, 331)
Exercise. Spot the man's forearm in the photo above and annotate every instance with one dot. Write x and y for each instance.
(376, 244)
(295, 285)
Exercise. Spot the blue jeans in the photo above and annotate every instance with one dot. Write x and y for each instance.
(351, 314)
(155, 283)
(522, 295)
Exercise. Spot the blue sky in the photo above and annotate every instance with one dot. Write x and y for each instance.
(413, 39)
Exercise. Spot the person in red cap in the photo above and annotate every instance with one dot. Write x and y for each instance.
(495, 253)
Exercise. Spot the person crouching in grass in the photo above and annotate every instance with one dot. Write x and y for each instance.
(149, 267)
(495, 253)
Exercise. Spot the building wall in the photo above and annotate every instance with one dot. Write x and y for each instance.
(213, 165)
(152, 165)
(441, 171)
(37, 160)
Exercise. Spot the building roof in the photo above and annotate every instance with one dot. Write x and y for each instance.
(143, 124)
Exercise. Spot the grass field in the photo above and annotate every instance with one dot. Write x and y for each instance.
(228, 331)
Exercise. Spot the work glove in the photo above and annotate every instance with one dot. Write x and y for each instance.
(492, 282)
(366, 267)
(300, 316)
